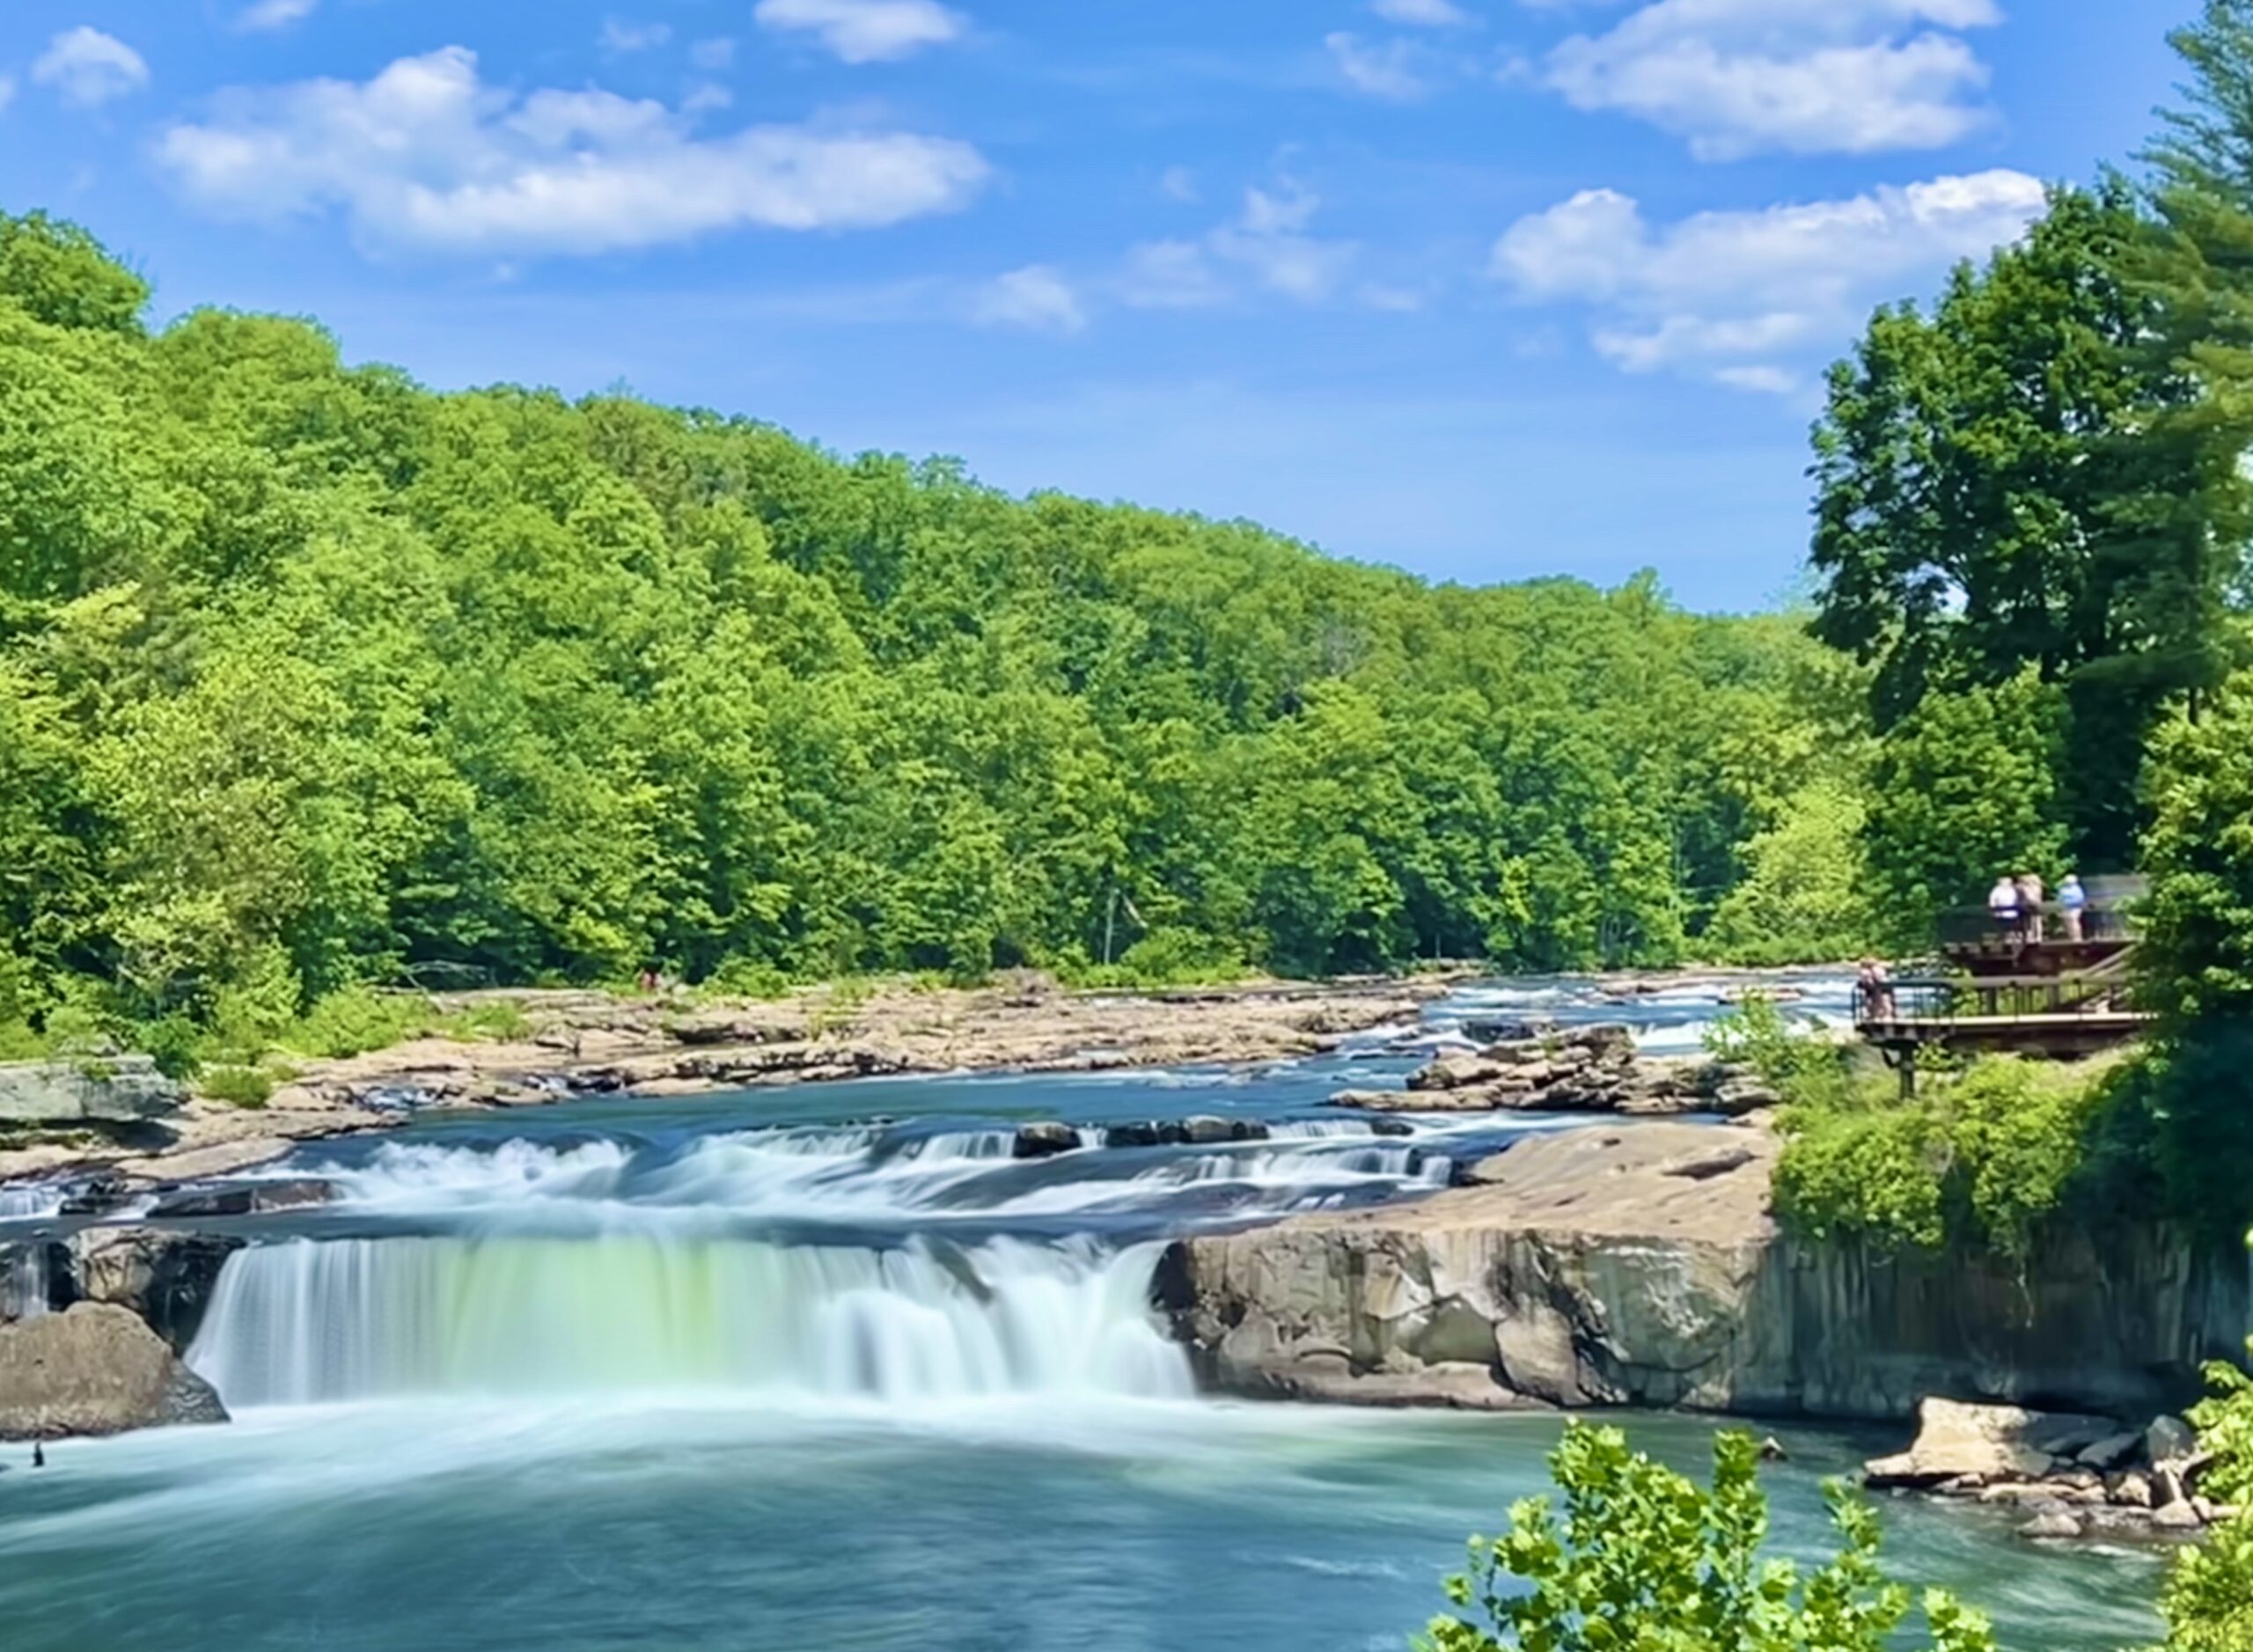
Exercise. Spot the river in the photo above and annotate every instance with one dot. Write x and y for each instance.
(827, 1368)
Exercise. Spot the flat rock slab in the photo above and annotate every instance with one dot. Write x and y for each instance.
(96, 1370)
(107, 1089)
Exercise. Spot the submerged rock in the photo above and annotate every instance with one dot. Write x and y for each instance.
(95, 1370)
(1044, 1140)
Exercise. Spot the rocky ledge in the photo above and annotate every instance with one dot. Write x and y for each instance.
(1536, 1067)
(2073, 1476)
(574, 1042)
(1641, 1264)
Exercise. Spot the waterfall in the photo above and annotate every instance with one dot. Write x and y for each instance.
(309, 1321)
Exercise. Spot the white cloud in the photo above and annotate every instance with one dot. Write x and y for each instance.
(1268, 244)
(1423, 14)
(1271, 242)
(1806, 77)
(275, 14)
(1766, 381)
(1036, 298)
(1741, 296)
(713, 56)
(7, 91)
(704, 97)
(1180, 183)
(865, 31)
(620, 35)
(1382, 72)
(1170, 275)
(425, 155)
(87, 68)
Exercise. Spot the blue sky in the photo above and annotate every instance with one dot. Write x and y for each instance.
(1487, 289)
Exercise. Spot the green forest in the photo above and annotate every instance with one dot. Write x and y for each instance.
(311, 678)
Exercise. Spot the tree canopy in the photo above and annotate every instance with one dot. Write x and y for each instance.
(309, 675)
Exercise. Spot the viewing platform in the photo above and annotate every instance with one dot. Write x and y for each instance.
(2059, 986)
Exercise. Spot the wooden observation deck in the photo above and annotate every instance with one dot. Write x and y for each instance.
(2050, 988)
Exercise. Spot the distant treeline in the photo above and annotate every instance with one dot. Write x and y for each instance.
(309, 676)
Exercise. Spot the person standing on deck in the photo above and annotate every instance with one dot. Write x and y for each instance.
(2072, 902)
(2030, 904)
(2002, 904)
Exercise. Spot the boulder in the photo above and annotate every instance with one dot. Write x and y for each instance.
(106, 1090)
(100, 1194)
(1506, 1029)
(1455, 1072)
(1995, 1442)
(1044, 1140)
(1206, 1131)
(2056, 1524)
(2170, 1439)
(2177, 1517)
(95, 1370)
(164, 1278)
(2129, 1490)
(2114, 1450)
(1606, 1042)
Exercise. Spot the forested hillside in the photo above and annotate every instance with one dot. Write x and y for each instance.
(309, 675)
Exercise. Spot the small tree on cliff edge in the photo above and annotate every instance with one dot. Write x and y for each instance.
(1646, 1560)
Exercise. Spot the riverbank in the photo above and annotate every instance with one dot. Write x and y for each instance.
(582, 1042)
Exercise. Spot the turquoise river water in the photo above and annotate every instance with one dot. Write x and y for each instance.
(827, 1369)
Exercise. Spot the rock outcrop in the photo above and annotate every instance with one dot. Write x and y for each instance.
(165, 1277)
(1639, 1264)
(1585, 1069)
(92, 1371)
(2075, 1476)
(109, 1090)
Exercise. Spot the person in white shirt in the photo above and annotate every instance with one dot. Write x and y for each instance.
(2002, 904)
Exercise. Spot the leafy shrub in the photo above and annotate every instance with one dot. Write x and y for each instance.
(1646, 1558)
(357, 1019)
(2207, 1600)
(501, 1020)
(240, 1086)
(1869, 1175)
(1986, 1157)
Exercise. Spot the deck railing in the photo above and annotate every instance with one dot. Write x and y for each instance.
(1930, 999)
(2100, 920)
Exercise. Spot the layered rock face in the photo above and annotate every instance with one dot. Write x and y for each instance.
(1640, 1265)
(164, 1277)
(94, 1369)
(115, 1090)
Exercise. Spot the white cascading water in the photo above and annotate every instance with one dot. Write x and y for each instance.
(310, 1321)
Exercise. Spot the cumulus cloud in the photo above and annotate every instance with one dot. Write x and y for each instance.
(1271, 241)
(1037, 298)
(86, 67)
(7, 91)
(1388, 71)
(713, 56)
(274, 14)
(1737, 76)
(1744, 297)
(425, 157)
(1423, 14)
(865, 31)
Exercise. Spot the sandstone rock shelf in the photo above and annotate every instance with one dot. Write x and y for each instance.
(1639, 1264)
